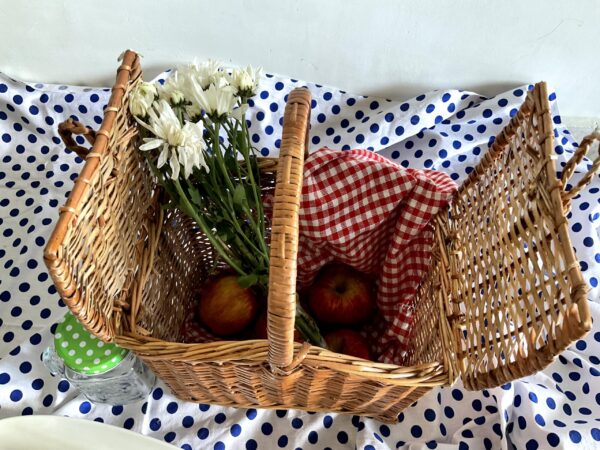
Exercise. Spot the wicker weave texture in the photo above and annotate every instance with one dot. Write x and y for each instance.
(503, 297)
(518, 294)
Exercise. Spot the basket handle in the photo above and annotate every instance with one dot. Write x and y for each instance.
(68, 128)
(284, 232)
(569, 169)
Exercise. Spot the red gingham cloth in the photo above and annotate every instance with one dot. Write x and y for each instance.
(366, 211)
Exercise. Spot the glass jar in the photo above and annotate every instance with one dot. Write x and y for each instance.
(104, 372)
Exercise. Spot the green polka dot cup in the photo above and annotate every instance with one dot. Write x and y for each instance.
(84, 352)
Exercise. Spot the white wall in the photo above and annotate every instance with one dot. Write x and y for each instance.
(389, 47)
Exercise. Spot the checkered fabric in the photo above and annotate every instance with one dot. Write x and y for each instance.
(361, 209)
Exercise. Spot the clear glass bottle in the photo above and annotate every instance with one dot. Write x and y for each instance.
(105, 373)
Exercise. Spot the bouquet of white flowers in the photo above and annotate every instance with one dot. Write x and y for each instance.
(196, 138)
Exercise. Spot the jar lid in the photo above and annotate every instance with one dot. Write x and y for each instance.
(82, 351)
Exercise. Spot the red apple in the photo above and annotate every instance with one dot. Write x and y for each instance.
(260, 329)
(340, 295)
(225, 307)
(348, 342)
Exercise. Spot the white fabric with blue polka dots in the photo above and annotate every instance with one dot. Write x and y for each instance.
(444, 130)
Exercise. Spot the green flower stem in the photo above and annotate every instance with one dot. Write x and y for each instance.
(230, 209)
(232, 219)
(307, 326)
(219, 158)
(232, 138)
(255, 186)
(214, 240)
(221, 162)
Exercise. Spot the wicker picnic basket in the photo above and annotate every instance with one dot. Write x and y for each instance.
(503, 297)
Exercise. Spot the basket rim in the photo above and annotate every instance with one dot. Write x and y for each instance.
(254, 352)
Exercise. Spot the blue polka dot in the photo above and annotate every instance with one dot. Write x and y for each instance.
(429, 415)
(157, 394)
(457, 394)
(251, 414)
(220, 418)
(532, 444)
(282, 442)
(170, 436)
(202, 433)
(85, 407)
(553, 439)
(155, 424)
(235, 430)
(35, 339)
(384, 430)
(25, 367)
(575, 436)
(266, 428)
(47, 401)
(342, 437)
(449, 412)
(313, 437)
(416, 431)
(4, 378)
(539, 420)
(128, 424)
(251, 444)
(414, 119)
(533, 397)
(172, 408)
(327, 421)
(187, 422)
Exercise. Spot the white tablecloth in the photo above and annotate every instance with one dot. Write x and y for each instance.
(445, 130)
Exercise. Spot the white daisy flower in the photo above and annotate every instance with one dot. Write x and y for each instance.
(179, 146)
(204, 74)
(216, 101)
(245, 81)
(141, 99)
(172, 89)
